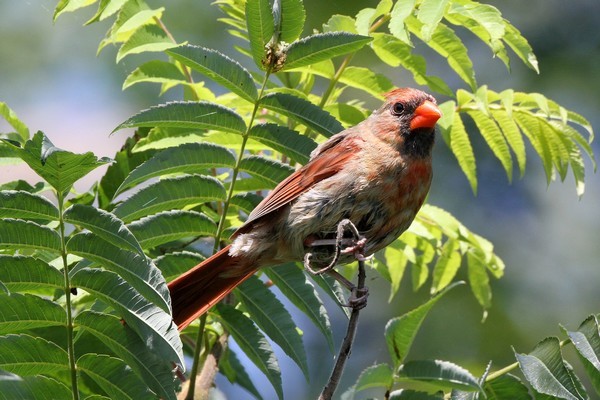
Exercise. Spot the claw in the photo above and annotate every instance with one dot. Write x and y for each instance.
(358, 298)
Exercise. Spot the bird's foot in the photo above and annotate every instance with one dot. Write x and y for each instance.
(358, 298)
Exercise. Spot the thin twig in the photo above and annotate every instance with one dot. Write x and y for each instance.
(346, 346)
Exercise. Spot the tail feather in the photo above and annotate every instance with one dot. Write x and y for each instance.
(196, 291)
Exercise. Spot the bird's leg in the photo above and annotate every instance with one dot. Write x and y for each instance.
(355, 246)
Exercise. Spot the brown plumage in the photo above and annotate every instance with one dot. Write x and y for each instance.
(377, 174)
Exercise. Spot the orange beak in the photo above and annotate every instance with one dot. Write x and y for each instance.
(426, 115)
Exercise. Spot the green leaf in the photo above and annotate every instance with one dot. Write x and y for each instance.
(513, 136)
(217, 67)
(547, 373)
(520, 46)
(186, 158)
(114, 377)
(14, 121)
(32, 387)
(447, 266)
(401, 10)
(322, 46)
(430, 14)
(506, 387)
(60, 168)
(295, 286)
(272, 317)
(456, 137)
(447, 44)
(19, 234)
(253, 343)
(478, 279)
(231, 367)
(64, 6)
(302, 111)
(367, 80)
(125, 343)
(380, 375)
(104, 224)
(284, 140)
(494, 138)
(194, 115)
(339, 22)
(587, 342)
(260, 26)
(21, 204)
(394, 52)
(292, 20)
(27, 355)
(407, 394)
(174, 264)
(20, 312)
(155, 71)
(20, 273)
(401, 331)
(151, 323)
(267, 170)
(169, 194)
(148, 38)
(169, 226)
(392, 265)
(438, 375)
(135, 269)
(531, 127)
(106, 8)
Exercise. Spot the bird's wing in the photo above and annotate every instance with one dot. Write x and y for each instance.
(327, 162)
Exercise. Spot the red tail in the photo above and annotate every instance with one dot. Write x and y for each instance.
(196, 291)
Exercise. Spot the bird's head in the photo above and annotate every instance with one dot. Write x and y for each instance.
(408, 117)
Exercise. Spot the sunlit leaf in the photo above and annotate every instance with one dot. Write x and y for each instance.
(438, 375)
(401, 331)
(430, 14)
(155, 71)
(292, 20)
(148, 38)
(11, 117)
(322, 46)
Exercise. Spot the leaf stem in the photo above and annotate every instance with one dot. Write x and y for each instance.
(197, 350)
(70, 343)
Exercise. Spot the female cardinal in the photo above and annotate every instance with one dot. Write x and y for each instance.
(375, 174)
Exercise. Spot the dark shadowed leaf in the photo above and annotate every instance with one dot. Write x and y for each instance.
(272, 317)
(19, 234)
(437, 375)
(20, 312)
(260, 25)
(253, 343)
(37, 387)
(284, 140)
(27, 355)
(26, 273)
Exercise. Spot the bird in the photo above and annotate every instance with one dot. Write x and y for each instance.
(376, 174)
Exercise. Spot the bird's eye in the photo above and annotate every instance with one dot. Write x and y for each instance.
(397, 108)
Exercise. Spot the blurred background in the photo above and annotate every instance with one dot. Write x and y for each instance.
(51, 76)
